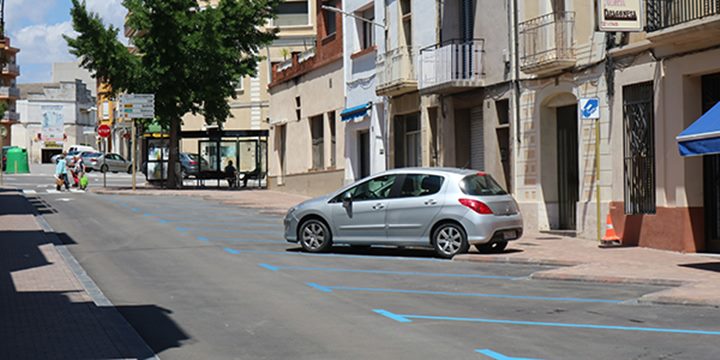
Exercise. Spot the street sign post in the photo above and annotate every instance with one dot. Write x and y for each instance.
(104, 132)
(133, 107)
(590, 110)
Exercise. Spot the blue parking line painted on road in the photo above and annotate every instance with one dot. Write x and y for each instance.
(231, 251)
(320, 287)
(388, 272)
(408, 318)
(396, 317)
(498, 356)
(135, 210)
(231, 231)
(463, 294)
(238, 221)
(234, 240)
(202, 238)
(374, 257)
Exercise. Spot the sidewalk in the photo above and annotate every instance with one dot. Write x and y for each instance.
(46, 311)
(694, 279)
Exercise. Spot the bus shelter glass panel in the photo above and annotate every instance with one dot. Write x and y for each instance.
(208, 156)
(248, 156)
(157, 159)
(228, 152)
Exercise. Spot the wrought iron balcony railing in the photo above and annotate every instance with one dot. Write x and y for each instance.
(547, 42)
(662, 14)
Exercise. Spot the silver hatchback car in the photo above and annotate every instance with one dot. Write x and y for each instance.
(447, 209)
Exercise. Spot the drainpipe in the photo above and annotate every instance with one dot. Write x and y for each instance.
(516, 80)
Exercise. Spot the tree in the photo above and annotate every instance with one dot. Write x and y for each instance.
(191, 56)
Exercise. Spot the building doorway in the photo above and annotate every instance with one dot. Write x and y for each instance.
(363, 154)
(567, 166)
(408, 145)
(711, 171)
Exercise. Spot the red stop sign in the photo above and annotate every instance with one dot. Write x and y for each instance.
(104, 130)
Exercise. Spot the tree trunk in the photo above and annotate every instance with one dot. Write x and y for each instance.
(174, 180)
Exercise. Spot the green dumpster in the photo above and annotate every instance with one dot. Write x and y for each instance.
(17, 161)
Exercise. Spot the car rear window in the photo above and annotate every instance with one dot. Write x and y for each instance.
(481, 184)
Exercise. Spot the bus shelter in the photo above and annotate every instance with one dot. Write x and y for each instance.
(247, 149)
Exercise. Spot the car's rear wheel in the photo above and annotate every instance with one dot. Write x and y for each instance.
(491, 248)
(449, 239)
(315, 236)
(129, 170)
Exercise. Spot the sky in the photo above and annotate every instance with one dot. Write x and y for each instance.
(36, 27)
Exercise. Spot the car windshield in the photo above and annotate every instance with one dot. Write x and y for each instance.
(481, 184)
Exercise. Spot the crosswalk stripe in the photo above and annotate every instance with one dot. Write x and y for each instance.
(53, 191)
(29, 192)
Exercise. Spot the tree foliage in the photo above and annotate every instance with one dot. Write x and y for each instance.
(190, 56)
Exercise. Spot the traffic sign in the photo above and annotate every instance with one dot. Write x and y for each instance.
(104, 130)
(590, 108)
(137, 106)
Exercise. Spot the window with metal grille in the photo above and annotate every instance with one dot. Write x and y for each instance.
(639, 149)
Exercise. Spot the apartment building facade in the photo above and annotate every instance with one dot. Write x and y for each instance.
(9, 92)
(307, 96)
(665, 79)
(364, 113)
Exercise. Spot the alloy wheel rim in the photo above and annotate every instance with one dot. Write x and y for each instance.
(313, 235)
(449, 240)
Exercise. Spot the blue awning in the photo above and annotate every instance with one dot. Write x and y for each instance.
(355, 112)
(703, 136)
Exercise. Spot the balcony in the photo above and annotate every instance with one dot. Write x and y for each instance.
(547, 43)
(684, 24)
(396, 72)
(11, 69)
(451, 66)
(9, 92)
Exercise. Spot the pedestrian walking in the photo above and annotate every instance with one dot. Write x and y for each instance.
(78, 170)
(61, 173)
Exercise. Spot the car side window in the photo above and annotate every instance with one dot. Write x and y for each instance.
(374, 189)
(416, 185)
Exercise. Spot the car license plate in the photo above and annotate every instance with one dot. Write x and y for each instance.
(509, 235)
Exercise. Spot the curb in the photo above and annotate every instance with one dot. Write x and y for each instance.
(602, 279)
(513, 260)
(650, 299)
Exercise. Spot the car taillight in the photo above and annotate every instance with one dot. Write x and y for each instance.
(476, 206)
(193, 163)
(93, 159)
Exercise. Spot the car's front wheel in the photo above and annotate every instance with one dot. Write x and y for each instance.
(449, 239)
(315, 236)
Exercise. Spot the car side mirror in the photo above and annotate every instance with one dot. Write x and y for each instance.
(347, 200)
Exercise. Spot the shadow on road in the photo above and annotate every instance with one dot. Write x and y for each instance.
(43, 314)
(708, 266)
(391, 251)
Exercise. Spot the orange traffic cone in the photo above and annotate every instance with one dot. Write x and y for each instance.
(610, 239)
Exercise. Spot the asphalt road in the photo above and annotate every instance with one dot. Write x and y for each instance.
(200, 280)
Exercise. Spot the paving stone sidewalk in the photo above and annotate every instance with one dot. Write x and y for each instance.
(692, 279)
(45, 310)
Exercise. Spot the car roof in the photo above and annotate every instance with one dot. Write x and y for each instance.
(432, 170)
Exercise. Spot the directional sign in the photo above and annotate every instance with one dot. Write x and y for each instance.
(590, 108)
(137, 106)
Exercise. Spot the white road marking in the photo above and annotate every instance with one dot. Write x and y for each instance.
(53, 191)
(29, 192)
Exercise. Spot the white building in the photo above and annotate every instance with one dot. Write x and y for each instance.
(53, 117)
(366, 128)
(71, 71)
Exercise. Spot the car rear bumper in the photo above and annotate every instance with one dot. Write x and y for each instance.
(483, 229)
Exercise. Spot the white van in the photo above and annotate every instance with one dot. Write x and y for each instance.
(80, 148)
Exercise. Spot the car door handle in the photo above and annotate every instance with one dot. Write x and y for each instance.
(378, 206)
(431, 202)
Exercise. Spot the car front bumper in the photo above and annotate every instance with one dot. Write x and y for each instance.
(291, 225)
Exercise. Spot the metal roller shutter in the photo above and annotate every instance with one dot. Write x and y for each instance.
(477, 139)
